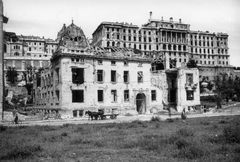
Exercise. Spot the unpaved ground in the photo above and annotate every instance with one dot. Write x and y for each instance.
(231, 110)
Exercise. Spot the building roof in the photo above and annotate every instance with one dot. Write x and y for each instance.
(108, 53)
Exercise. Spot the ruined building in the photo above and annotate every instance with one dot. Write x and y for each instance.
(172, 38)
(21, 52)
(84, 77)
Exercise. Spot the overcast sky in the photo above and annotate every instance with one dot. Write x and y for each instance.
(46, 17)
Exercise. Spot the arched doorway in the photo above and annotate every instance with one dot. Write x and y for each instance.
(141, 103)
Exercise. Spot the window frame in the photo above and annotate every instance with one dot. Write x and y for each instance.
(78, 99)
(153, 95)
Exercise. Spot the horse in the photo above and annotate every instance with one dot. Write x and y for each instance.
(92, 115)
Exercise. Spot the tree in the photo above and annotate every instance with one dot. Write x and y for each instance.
(192, 63)
(12, 75)
(225, 87)
(28, 77)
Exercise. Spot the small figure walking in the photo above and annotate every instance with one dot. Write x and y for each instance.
(183, 115)
(16, 119)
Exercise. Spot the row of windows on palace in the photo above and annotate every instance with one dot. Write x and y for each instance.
(16, 47)
(192, 36)
(78, 77)
(78, 96)
(149, 40)
(78, 73)
(168, 47)
(29, 54)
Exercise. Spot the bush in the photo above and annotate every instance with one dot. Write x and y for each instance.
(208, 98)
(223, 121)
(185, 132)
(155, 119)
(192, 151)
(64, 134)
(182, 143)
(3, 128)
(204, 122)
(232, 134)
(22, 152)
(169, 120)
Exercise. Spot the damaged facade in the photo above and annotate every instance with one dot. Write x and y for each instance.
(84, 77)
(172, 38)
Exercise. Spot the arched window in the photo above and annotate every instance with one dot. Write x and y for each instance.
(16, 54)
(140, 46)
(179, 48)
(184, 48)
(169, 47)
(108, 44)
(113, 44)
(164, 46)
(174, 47)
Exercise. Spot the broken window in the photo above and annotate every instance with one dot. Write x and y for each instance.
(114, 95)
(190, 95)
(57, 75)
(113, 62)
(100, 75)
(57, 95)
(113, 76)
(100, 95)
(78, 75)
(74, 113)
(189, 78)
(140, 76)
(154, 95)
(126, 95)
(77, 96)
(125, 76)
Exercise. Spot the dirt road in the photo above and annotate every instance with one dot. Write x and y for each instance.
(233, 110)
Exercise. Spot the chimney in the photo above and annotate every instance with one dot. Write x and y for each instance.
(171, 19)
(150, 16)
(180, 21)
(162, 18)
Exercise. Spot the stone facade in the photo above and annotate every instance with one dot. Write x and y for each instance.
(24, 51)
(174, 39)
(83, 77)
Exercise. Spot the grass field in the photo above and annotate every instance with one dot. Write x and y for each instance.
(199, 139)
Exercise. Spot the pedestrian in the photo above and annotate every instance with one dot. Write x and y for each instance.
(183, 115)
(16, 119)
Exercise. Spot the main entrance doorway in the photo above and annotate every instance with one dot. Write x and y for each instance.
(141, 103)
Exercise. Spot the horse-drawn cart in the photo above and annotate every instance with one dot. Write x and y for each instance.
(112, 113)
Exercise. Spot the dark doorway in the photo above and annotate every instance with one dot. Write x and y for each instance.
(172, 87)
(141, 103)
